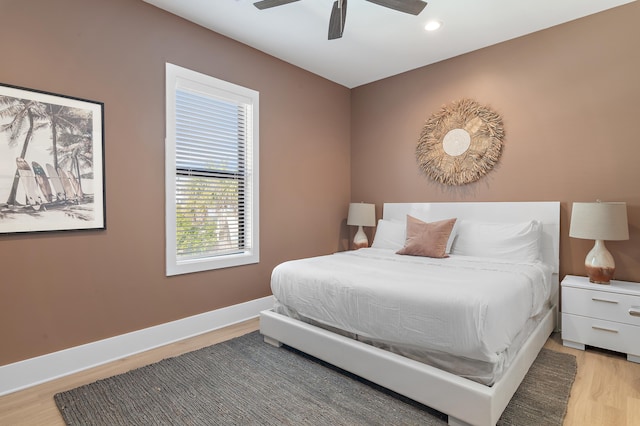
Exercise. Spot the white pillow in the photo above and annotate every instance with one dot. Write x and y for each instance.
(513, 241)
(424, 214)
(390, 235)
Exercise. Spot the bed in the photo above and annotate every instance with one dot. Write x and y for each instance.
(456, 333)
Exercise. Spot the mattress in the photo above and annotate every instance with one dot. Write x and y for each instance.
(466, 313)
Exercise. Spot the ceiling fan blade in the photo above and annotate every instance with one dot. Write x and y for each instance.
(414, 7)
(266, 4)
(337, 20)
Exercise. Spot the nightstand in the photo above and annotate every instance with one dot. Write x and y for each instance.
(605, 316)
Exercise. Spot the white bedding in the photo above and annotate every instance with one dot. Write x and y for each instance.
(467, 306)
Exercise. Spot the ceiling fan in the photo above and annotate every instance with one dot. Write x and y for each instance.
(339, 11)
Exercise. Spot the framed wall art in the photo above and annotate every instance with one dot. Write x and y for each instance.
(51, 162)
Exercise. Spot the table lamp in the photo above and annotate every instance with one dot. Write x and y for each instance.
(361, 214)
(599, 221)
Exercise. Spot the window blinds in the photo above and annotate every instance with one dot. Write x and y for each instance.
(212, 171)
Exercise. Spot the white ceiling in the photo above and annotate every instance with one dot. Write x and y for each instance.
(377, 42)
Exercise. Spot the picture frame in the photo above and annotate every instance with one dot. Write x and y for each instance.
(51, 162)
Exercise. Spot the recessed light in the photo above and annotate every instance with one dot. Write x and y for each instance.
(432, 25)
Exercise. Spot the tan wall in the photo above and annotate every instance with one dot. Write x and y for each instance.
(569, 100)
(58, 290)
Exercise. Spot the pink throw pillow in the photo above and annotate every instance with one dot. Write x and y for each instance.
(427, 239)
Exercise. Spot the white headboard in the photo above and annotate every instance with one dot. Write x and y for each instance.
(547, 212)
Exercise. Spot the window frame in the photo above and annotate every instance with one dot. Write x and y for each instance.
(182, 78)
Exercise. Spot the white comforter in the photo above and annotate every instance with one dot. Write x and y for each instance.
(467, 306)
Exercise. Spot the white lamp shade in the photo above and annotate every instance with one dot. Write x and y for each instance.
(362, 214)
(599, 221)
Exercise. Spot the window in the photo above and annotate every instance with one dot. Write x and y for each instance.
(211, 173)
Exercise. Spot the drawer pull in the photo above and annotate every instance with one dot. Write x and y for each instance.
(604, 329)
(634, 311)
(595, 299)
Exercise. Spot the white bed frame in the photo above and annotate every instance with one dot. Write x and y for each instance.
(464, 401)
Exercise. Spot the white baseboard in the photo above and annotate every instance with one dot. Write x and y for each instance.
(33, 371)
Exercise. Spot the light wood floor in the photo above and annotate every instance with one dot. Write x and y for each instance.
(606, 390)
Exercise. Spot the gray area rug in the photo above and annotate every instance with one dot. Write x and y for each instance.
(244, 381)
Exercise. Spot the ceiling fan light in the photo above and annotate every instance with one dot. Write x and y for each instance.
(432, 25)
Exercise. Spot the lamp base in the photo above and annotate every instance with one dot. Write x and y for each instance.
(600, 275)
(360, 240)
(599, 264)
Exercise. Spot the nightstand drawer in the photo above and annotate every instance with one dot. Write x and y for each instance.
(603, 334)
(623, 308)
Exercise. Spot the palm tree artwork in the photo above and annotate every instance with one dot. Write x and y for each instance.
(23, 113)
(46, 157)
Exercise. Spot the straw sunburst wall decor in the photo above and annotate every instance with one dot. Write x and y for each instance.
(460, 143)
